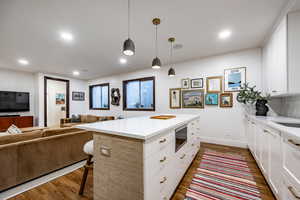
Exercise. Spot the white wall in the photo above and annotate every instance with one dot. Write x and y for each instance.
(76, 107)
(219, 125)
(19, 82)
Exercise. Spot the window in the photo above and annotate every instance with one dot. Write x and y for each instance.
(139, 94)
(99, 97)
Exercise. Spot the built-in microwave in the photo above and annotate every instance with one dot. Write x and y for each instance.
(180, 137)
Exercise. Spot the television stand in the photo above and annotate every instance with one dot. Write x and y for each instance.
(19, 121)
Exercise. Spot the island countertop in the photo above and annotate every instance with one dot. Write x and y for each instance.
(138, 127)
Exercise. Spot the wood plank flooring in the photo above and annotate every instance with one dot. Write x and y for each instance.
(67, 187)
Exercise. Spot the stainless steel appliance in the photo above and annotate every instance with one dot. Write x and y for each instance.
(180, 137)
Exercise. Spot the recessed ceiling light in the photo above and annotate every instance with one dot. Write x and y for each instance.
(23, 61)
(225, 34)
(123, 61)
(76, 73)
(67, 36)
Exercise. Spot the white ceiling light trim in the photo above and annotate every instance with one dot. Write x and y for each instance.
(76, 73)
(23, 61)
(66, 36)
(224, 34)
(123, 61)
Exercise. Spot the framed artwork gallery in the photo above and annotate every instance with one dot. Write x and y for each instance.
(212, 99)
(226, 100)
(197, 83)
(185, 83)
(192, 98)
(175, 98)
(234, 79)
(214, 84)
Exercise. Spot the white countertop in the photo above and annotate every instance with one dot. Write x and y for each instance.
(138, 127)
(271, 122)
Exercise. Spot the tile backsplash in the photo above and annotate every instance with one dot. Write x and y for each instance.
(286, 106)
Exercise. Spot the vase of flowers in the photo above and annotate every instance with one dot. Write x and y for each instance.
(250, 96)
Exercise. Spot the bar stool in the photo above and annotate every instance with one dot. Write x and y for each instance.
(88, 148)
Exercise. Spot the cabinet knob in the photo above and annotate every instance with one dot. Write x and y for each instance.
(163, 160)
(182, 157)
(291, 189)
(294, 143)
(163, 140)
(164, 180)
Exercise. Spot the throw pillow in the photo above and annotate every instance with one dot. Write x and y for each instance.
(13, 129)
(75, 118)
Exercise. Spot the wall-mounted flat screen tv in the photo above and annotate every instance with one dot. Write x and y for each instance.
(14, 101)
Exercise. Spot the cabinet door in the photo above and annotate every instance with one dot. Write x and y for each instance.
(275, 160)
(265, 151)
(252, 136)
(275, 61)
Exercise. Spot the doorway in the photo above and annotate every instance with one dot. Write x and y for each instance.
(56, 100)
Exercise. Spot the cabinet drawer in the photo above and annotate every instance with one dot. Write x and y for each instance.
(158, 161)
(289, 191)
(158, 144)
(291, 158)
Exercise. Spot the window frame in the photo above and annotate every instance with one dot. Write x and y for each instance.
(91, 97)
(152, 78)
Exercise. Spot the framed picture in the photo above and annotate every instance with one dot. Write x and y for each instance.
(226, 100)
(212, 99)
(78, 96)
(214, 84)
(185, 83)
(234, 79)
(60, 99)
(197, 83)
(192, 98)
(175, 98)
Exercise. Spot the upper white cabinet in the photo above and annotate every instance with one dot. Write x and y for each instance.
(281, 57)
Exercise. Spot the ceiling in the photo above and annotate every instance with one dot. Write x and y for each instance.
(30, 29)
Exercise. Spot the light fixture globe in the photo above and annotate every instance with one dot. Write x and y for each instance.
(156, 64)
(128, 47)
(171, 72)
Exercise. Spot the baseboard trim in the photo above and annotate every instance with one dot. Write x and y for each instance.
(226, 142)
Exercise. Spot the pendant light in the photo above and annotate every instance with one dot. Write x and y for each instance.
(156, 64)
(171, 71)
(128, 46)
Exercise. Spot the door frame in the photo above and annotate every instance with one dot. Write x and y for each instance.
(67, 96)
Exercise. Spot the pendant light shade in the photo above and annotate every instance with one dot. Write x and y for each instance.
(171, 71)
(156, 63)
(128, 46)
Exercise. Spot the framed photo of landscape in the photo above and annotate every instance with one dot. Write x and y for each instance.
(212, 99)
(197, 83)
(214, 84)
(226, 100)
(175, 98)
(192, 98)
(234, 79)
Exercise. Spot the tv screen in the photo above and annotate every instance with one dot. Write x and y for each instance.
(14, 101)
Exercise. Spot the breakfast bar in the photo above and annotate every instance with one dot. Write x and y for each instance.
(141, 157)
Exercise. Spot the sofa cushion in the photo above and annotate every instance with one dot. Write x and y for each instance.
(58, 131)
(83, 118)
(13, 138)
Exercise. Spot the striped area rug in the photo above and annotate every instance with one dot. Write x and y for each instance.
(223, 176)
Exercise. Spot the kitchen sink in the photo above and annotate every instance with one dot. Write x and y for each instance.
(293, 125)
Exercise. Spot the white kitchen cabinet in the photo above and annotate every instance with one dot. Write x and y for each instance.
(265, 150)
(281, 58)
(289, 191)
(274, 166)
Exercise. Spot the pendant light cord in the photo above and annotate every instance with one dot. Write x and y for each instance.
(171, 54)
(128, 18)
(156, 49)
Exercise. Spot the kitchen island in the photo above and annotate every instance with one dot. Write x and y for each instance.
(142, 158)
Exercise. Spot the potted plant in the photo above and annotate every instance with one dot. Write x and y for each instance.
(248, 95)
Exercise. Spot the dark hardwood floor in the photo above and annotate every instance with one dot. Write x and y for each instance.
(67, 187)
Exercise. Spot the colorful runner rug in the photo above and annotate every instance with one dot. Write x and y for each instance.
(223, 176)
